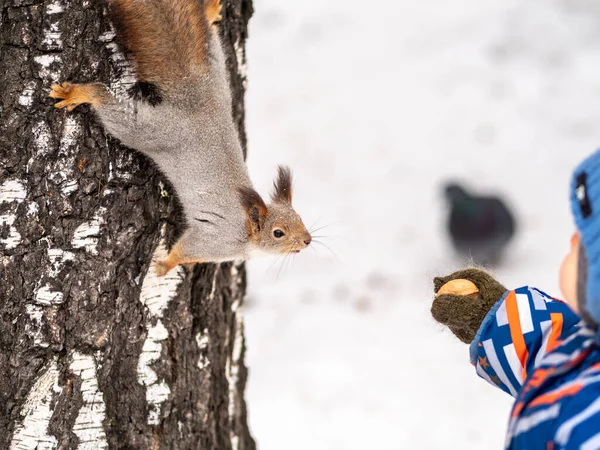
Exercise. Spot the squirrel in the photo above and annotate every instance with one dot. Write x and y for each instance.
(180, 115)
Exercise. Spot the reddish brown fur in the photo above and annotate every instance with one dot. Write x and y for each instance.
(167, 37)
(175, 258)
(213, 10)
(256, 211)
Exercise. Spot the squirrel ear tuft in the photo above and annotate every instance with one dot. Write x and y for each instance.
(255, 207)
(282, 191)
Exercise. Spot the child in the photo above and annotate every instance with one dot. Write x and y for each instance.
(536, 348)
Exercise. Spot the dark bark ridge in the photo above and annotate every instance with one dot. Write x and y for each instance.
(95, 352)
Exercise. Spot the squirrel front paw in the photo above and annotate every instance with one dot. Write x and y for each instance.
(73, 95)
(161, 268)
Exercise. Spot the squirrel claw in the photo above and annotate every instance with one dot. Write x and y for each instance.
(64, 92)
(61, 92)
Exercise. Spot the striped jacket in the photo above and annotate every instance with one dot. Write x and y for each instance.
(536, 349)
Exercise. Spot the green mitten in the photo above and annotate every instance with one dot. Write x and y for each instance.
(464, 314)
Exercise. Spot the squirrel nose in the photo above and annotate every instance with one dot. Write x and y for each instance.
(308, 240)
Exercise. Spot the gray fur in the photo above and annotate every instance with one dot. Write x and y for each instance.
(192, 138)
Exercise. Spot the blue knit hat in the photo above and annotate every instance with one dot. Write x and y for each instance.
(585, 203)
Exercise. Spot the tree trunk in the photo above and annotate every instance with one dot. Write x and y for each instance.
(95, 351)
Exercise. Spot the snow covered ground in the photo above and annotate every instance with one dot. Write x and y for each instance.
(374, 105)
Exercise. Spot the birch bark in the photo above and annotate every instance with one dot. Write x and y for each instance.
(95, 351)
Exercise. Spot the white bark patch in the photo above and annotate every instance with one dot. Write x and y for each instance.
(32, 433)
(69, 187)
(232, 369)
(49, 65)
(43, 137)
(14, 237)
(45, 296)
(156, 293)
(88, 425)
(26, 97)
(123, 160)
(35, 324)
(110, 171)
(71, 132)
(240, 55)
(203, 340)
(46, 61)
(156, 392)
(87, 234)
(232, 365)
(107, 36)
(32, 209)
(61, 170)
(52, 38)
(54, 8)
(57, 259)
(12, 191)
(127, 78)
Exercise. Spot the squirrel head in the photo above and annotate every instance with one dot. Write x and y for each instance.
(275, 228)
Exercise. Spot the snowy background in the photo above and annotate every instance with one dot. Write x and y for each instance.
(373, 105)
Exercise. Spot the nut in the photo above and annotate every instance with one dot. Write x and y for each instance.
(459, 287)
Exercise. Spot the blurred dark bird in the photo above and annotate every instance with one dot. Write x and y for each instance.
(480, 227)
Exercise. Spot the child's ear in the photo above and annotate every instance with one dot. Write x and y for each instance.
(282, 191)
(255, 207)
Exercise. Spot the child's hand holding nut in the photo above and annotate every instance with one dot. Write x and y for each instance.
(463, 299)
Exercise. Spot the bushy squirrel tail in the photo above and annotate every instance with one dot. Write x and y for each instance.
(167, 38)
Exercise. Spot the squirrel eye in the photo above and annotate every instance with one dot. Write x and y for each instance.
(278, 234)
